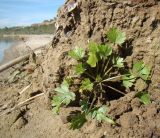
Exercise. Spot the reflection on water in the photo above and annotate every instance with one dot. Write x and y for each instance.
(5, 44)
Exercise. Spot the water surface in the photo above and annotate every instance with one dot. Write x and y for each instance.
(5, 43)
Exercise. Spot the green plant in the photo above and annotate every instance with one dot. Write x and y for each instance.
(64, 96)
(101, 71)
(144, 97)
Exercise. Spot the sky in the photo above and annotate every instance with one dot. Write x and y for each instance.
(27, 12)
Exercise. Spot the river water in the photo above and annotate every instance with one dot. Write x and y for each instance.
(5, 43)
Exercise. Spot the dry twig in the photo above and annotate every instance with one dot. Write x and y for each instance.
(25, 89)
(21, 104)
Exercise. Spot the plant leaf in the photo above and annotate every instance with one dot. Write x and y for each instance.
(141, 70)
(77, 53)
(144, 97)
(79, 68)
(138, 66)
(104, 51)
(92, 59)
(68, 80)
(87, 85)
(84, 105)
(118, 62)
(100, 115)
(144, 73)
(116, 36)
(56, 103)
(93, 47)
(64, 96)
(78, 121)
(128, 81)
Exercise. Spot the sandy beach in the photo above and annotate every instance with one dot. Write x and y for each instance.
(21, 47)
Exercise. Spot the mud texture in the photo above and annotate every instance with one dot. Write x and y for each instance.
(89, 22)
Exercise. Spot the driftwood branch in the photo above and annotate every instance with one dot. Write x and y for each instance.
(17, 60)
(14, 62)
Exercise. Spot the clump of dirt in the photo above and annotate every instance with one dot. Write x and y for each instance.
(89, 21)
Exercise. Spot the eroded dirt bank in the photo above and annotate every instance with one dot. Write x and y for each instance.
(140, 21)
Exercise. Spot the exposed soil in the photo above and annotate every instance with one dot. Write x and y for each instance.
(141, 22)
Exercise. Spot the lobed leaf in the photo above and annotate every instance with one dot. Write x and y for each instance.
(104, 51)
(144, 97)
(118, 62)
(79, 68)
(93, 47)
(78, 121)
(128, 81)
(100, 115)
(138, 66)
(116, 36)
(144, 73)
(68, 80)
(141, 70)
(77, 53)
(92, 59)
(64, 96)
(56, 103)
(84, 105)
(87, 85)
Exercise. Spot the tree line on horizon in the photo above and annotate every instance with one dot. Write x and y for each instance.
(34, 29)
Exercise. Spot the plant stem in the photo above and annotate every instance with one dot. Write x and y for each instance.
(108, 71)
(116, 90)
(113, 78)
(94, 98)
(89, 75)
(101, 95)
(90, 72)
(106, 66)
(103, 65)
(97, 68)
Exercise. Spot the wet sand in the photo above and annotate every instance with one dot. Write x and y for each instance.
(22, 47)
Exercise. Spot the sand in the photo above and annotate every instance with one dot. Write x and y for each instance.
(29, 42)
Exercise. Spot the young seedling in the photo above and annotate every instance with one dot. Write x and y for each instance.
(144, 97)
(99, 69)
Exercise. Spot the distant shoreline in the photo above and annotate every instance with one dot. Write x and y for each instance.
(20, 47)
(41, 28)
(23, 35)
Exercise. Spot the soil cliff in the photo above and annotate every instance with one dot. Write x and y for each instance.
(89, 21)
